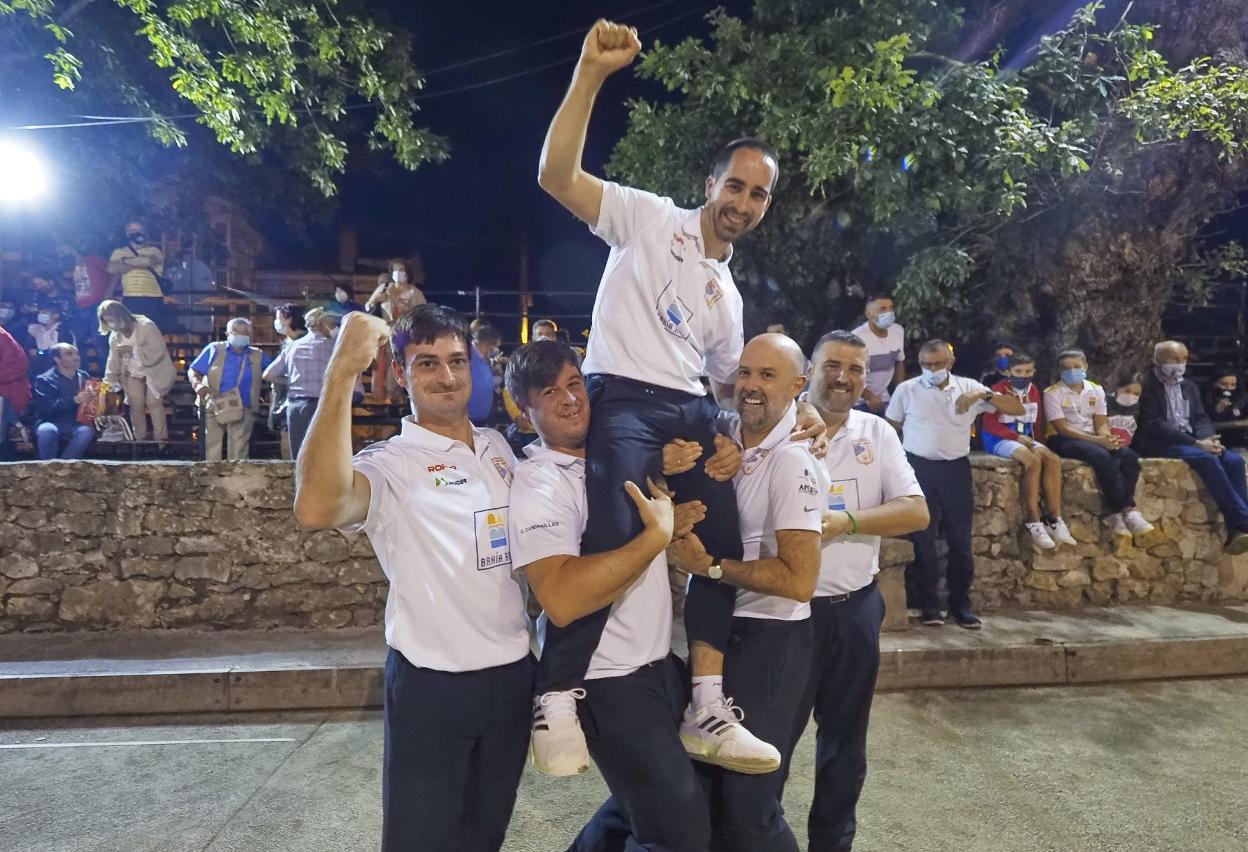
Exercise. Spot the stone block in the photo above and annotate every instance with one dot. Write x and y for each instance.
(177, 591)
(142, 566)
(1074, 579)
(326, 546)
(18, 567)
(1109, 568)
(193, 544)
(155, 545)
(333, 618)
(30, 609)
(1146, 568)
(1194, 513)
(34, 586)
(360, 571)
(1042, 581)
(112, 602)
(1101, 593)
(202, 568)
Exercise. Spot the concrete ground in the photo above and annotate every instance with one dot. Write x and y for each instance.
(1143, 766)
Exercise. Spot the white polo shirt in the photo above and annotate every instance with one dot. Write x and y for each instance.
(437, 520)
(883, 356)
(665, 313)
(777, 489)
(1076, 407)
(931, 426)
(865, 467)
(548, 512)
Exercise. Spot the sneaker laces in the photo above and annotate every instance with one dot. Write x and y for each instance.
(729, 712)
(556, 707)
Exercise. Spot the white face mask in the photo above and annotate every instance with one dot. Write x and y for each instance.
(6, 314)
(1127, 400)
(43, 318)
(279, 326)
(239, 341)
(398, 276)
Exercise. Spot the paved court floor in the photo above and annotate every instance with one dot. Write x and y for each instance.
(1144, 767)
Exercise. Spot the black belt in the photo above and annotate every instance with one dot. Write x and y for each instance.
(302, 398)
(849, 596)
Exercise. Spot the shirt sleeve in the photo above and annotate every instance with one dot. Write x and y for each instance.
(796, 499)
(896, 410)
(159, 256)
(625, 212)
(203, 360)
(378, 465)
(545, 519)
(898, 476)
(1099, 407)
(118, 254)
(723, 356)
(1052, 406)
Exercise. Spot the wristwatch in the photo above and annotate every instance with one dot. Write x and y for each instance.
(716, 571)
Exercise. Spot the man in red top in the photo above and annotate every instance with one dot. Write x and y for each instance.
(14, 389)
(1022, 439)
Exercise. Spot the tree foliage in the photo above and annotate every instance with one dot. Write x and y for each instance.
(289, 77)
(1022, 194)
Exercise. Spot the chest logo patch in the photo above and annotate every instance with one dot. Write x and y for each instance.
(677, 248)
(863, 452)
(493, 549)
(500, 466)
(673, 313)
(713, 293)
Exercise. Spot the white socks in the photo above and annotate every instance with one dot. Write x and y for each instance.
(708, 689)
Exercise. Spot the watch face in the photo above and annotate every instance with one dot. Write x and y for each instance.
(715, 572)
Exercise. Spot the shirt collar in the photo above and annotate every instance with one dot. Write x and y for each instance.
(1165, 380)
(537, 451)
(691, 228)
(778, 434)
(413, 433)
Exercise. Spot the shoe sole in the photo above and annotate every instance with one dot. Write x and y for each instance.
(547, 772)
(969, 626)
(932, 623)
(696, 750)
(1237, 547)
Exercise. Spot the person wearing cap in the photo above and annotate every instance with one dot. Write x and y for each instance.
(935, 412)
(871, 492)
(886, 346)
(433, 501)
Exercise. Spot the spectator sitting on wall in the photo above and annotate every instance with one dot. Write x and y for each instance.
(45, 332)
(545, 329)
(139, 364)
(486, 344)
(1225, 402)
(1124, 408)
(288, 321)
(139, 266)
(14, 389)
(1174, 425)
(344, 301)
(58, 392)
(226, 378)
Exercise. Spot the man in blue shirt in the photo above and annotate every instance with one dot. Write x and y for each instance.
(57, 394)
(226, 378)
(486, 341)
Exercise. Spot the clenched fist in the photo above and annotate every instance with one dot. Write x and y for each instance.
(359, 339)
(609, 47)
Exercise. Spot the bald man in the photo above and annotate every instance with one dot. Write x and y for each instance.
(1172, 424)
(767, 662)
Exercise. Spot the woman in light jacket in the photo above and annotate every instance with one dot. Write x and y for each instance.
(139, 362)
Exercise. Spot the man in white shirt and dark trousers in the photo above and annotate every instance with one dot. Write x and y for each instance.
(871, 492)
(886, 351)
(935, 413)
(667, 313)
(433, 501)
(636, 689)
(767, 664)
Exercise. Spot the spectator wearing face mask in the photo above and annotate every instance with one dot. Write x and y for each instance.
(396, 293)
(44, 333)
(886, 351)
(288, 322)
(1226, 403)
(301, 367)
(998, 368)
(139, 266)
(344, 301)
(1124, 408)
(8, 318)
(226, 379)
(1174, 425)
(139, 363)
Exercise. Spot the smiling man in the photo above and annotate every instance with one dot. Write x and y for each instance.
(433, 501)
(667, 314)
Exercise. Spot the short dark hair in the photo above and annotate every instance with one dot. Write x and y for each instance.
(487, 333)
(877, 296)
(1019, 357)
(535, 366)
(838, 336)
(723, 158)
(347, 287)
(425, 324)
(58, 350)
(295, 312)
(935, 345)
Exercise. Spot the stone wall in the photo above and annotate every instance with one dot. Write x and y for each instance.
(90, 545)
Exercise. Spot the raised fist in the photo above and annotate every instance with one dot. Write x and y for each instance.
(359, 340)
(609, 47)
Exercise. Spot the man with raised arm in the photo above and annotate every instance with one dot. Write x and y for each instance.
(666, 315)
(433, 501)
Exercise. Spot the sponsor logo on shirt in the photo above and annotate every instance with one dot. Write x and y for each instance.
(677, 248)
(438, 468)
(863, 453)
(500, 466)
(547, 525)
(809, 484)
(442, 481)
(836, 497)
(713, 293)
(492, 545)
(750, 464)
(673, 313)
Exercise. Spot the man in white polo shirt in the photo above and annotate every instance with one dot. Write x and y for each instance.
(433, 501)
(667, 313)
(872, 492)
(935, 412)
(886, 350)
(636, 689)
(768, 660)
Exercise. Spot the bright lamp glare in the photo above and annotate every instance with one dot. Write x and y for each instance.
(21, 174)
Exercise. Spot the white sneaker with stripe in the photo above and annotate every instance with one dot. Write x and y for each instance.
(714, 734)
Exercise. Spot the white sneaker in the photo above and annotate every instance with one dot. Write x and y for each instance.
(1135, 523)
(1040, 536)
(558, 747)
(714, 734)
(1117, 525)
(1060, 533)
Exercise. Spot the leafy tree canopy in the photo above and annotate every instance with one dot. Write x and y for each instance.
(1039, 195)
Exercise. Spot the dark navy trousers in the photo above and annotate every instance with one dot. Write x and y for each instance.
(630, 422)
(951, 503)
(1223, 477)
(843, 671)
(631, 724)
(455, 745)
